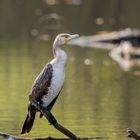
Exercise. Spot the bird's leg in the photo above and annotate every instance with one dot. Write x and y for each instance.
(44, 111)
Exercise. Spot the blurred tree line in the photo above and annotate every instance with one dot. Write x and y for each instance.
(20, 16)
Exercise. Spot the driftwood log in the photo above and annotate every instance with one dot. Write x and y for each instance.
(116, 37)
(11, 137)
(131, 134)
(109, 40)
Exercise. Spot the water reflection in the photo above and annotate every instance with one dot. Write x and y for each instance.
(126, 55)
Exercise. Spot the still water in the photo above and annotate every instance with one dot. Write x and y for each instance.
(98, 98)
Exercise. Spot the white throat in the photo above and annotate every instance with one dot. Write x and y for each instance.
(60, 56)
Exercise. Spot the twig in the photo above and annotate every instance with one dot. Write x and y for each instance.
(49, 116)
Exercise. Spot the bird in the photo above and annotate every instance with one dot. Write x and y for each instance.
(48, 84)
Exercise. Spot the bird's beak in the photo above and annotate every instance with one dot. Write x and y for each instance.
(74, 36)
(71, 37)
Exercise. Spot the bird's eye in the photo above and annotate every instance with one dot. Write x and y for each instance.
(66, 36)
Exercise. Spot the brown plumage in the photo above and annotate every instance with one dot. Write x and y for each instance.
(39, 88)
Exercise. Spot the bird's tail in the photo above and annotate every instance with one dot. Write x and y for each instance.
(27, 126)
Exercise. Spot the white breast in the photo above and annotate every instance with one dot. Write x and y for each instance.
(55, 87)
(57, 80)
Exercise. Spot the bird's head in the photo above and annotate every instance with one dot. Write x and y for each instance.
(63, 38)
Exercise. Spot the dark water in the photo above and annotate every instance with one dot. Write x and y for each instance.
(98, 98)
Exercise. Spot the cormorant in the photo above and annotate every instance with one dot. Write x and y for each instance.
(49, 82)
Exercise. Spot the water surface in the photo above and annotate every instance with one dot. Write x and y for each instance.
(98, 98)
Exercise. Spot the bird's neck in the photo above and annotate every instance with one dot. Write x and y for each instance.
(59, 54)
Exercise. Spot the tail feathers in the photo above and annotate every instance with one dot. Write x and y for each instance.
(27, 126)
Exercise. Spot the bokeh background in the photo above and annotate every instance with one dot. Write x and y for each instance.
(20, 17)
(99, 98)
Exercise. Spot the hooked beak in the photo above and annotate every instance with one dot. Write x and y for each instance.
(71, 37)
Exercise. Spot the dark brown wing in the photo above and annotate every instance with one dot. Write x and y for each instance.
(42, 82)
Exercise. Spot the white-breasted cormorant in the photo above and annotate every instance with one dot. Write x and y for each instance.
(49, 82)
